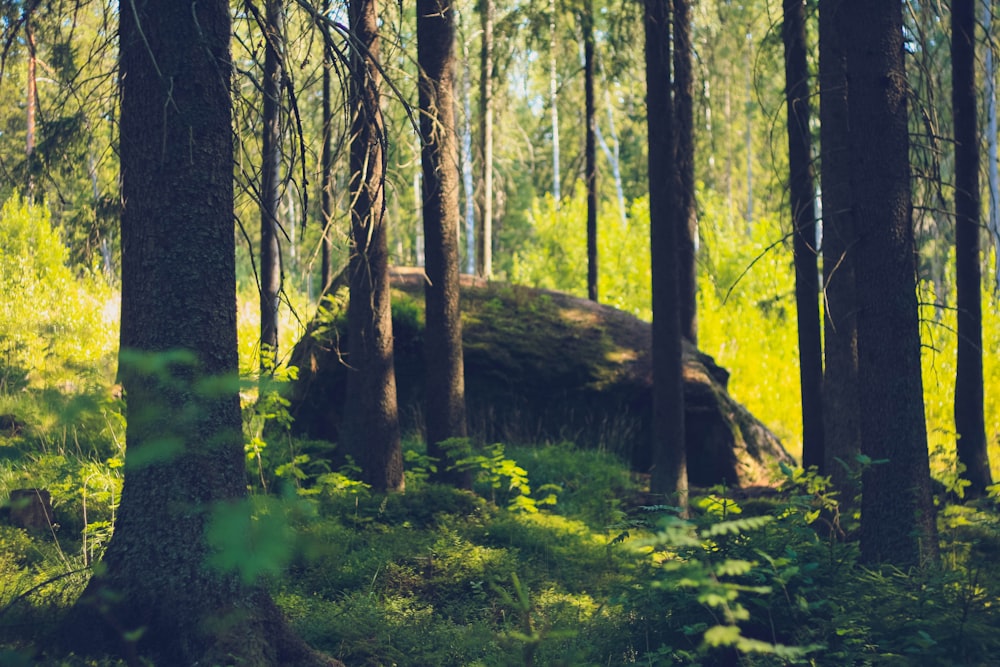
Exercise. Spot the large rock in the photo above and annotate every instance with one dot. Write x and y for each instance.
(545, 366)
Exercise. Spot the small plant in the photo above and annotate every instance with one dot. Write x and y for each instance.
(500, 473)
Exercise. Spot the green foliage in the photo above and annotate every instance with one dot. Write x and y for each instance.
(55, 327)
(501, 474)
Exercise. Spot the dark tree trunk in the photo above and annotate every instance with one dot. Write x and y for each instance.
(969, 420)
(270, 186)
(484, 241)
(185, 447)
(371, 425)
(897, 512)
(801, 188)
(445, 398)
(841, 409)
(326, 164)
(590, 175)
(669, 473)
(687, 231)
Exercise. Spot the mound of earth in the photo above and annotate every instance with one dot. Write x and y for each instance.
(543, 366)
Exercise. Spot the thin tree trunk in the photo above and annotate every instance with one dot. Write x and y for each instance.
(669, 459)
(30, 108)
(326, 164)
(554, 104)
(897, 512)
(445, 386)
(590, 173)
(468, 183)
(802, 196)
(687, 239)
(371, 424)
(485, 239)
(270, 186)
(991, 141)
(612, 155)
(748, 65)
(841, 409)
(969, 419)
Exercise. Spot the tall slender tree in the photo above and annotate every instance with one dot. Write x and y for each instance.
(270, 186)
(897, 512)
(669, 473)
(969, 418)
(687, 232)
(485, 239)
(802, 199)
(371, 417)
(590, 167)
(326, 161)
(157, 594)
(445, 387)
(841, 409)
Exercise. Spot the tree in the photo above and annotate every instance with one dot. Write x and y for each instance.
(371, 425)
(270, 186)
(326, 162)
(484, 257)
(445, 388)
(969, 419)
(590, 168)
(804, 232)
(669, 474)
(897, 512)
(158, 594)
(687, 232)
(841, 409)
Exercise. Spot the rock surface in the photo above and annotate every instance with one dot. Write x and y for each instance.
(546, 366)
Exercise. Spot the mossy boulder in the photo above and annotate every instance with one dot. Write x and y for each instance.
(544, 366)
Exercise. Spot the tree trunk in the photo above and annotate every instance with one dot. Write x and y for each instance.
(326, 163)
(841, 409)
(485, 240)
(991, 141)
(590, 173)
(158, 595)
(445, 392)
(554, 104)
(802, 198)
(687, 239)
(371, 427)
(468, 182)
(30, 109)
(969, 420)
(669, 473)
(897, 512)
(270, 186)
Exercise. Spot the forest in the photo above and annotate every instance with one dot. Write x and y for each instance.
(499, 332)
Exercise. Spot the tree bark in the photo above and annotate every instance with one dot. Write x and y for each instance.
(687, 231)
(371, 427)
(326, 163)
(445, 389)
(484, 266)
(669, 473)
(897, 512)
(554, 105)
(969, 417)
(590, 173)
(158, 596)
(802, 199)
(270, 186)
(841, 409)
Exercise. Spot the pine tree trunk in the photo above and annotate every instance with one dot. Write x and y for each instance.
(669, 473)
(969, 420)
(590, 173)
(371, 426)
(326, 164)
(804, 232)
(444, 414)
(554, 104)
(841, 409)
(270, 186)
(158, 596)
(485, 240)
(897, 512)
(687, 239)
